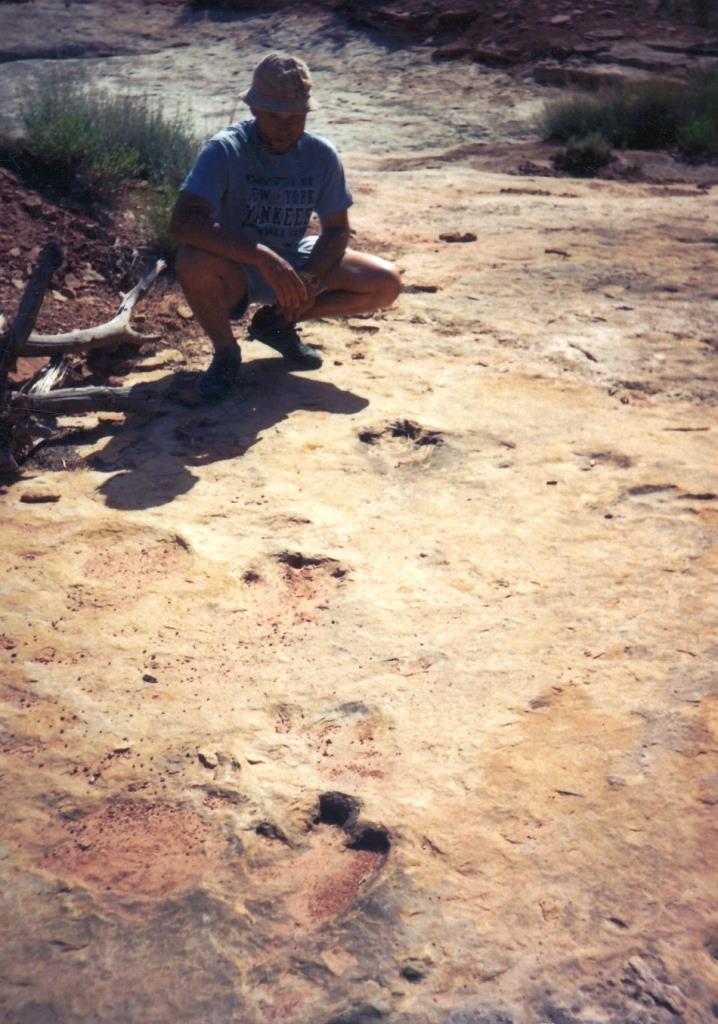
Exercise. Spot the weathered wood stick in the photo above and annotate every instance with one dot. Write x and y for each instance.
(84, 340)
(113, 332)
(50, 376)
(141, 288)
(14, 340)
(72, 400)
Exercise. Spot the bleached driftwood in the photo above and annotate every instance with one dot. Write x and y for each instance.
(114, 332)
(73, 400)
(48, 377)
(14, 338)
(41, 396)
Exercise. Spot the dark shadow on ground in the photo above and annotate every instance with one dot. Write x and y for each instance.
(154, 458)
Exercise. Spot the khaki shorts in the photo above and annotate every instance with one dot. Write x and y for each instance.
(259, 292)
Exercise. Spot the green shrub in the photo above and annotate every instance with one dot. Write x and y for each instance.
(67, 147)
(645, 116)
(699, 138)
(94, 141)
(584, 154)
(569, 116)
(153, 208)
(650, 115)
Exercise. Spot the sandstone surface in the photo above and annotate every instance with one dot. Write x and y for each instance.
(385, 693)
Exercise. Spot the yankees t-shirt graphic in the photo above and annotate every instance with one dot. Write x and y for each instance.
(270, 197)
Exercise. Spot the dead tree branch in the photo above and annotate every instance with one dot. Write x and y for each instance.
(50, 376)
(12, 338)
(114, 332)
(40, 396)
(67, 401)
(13, 341)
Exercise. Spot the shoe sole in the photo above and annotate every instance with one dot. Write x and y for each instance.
(309, 363)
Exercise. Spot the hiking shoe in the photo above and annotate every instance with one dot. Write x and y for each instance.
(222, 376)
(269, 326)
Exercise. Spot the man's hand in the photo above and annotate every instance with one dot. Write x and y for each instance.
(329, 248)
(312, 286)
(292, 297)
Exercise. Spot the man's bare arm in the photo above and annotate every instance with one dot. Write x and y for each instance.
(192, 224)
(328, 250)
(330, 246)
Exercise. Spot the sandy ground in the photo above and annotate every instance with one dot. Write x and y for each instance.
(387, 693)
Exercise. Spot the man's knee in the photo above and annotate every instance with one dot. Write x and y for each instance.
(388, 285)
(377, 278)
(188, 264)
(192, 264)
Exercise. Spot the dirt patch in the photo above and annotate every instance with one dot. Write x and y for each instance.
(134, 566)
(322, 881)
(293, 589)
(349, 743)
(341, 857)
(137, 849)
(402, 444)
(103, 256)
(310, 582)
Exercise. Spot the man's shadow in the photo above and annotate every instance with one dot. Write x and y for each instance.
(154, 454)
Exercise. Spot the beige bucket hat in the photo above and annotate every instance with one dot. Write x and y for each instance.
(281, 84)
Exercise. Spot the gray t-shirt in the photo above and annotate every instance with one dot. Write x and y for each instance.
(270, 197)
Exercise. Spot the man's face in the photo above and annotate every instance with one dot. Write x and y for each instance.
(279, 132)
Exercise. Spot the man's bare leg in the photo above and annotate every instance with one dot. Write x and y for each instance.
(212, 287)
(358, 284)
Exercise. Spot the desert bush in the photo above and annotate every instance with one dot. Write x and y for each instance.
(152, 208)
(571, 115)
(95, 141)
(584, 154)
(646, 116)
(650, 115)
(699, 137)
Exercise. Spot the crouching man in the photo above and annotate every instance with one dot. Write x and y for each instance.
(241, 219)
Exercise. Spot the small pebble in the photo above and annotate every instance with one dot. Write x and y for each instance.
(457, 236)
(208, 758)
(38, 497)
